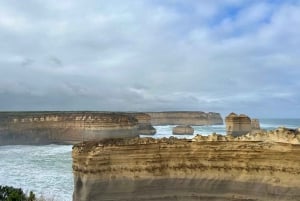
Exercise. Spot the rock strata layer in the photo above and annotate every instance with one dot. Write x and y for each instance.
(185, 118)
(187, 170)
(183, 130)
(64, 127)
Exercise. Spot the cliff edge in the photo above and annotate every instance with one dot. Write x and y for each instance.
(205, 168)
(64, 127)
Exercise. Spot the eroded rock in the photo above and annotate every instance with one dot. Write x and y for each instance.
(237, 125)
(211, 167)
(64, 127)
(183, 130)
(144, 123)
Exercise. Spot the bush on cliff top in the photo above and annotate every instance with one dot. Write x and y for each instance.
(8, 193)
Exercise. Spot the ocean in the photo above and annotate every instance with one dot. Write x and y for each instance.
(47, 170)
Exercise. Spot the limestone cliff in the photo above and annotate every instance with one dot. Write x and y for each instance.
(238, 125)
(185, 118)
(183, 130)
(64, 127)
(144, 123)
(255, 125)
(279, 135)
(216, 168)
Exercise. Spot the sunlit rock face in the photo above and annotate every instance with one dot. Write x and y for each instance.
(205, 168)
(64, 127)
(183, 130)
(185, 118)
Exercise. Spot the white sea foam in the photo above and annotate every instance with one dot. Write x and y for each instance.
(46, 170)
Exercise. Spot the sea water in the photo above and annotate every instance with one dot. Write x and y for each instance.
(47, 170)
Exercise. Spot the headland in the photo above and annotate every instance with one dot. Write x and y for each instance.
(211, 168)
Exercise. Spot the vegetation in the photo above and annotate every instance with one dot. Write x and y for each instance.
(8, 193)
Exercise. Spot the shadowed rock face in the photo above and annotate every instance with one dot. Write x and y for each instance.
(64, 127)
(255, 125)
(185, 118)
(238, 125)
(183, 130)
(144, 123)
(172, 169)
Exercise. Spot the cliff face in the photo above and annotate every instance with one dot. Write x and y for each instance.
(185, 118)
(144, 123)
(63, 127)
(238, 125)
(183, 130)
(255, 125)
(173, 169)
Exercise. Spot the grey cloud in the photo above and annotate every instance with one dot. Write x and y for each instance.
(150, 55)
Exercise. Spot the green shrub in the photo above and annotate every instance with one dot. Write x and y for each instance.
(8, 193)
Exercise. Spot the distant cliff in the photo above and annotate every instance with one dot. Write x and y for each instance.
(64, 127)
(144, 123)
(206, 168)
(185, 118)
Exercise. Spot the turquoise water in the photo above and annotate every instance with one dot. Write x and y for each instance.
(47, 170)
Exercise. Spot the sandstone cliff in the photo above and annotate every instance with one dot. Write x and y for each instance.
(238, 125)
(64, 127)
(183, 130)
(215, 168)
(185, 118)
(144, 123)
(255, 125)
(279, 135)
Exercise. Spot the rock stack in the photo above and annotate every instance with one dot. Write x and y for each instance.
(237, 125)
(255, 125)
(183, 130)
(144, 123)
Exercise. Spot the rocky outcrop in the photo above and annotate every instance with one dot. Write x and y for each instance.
(237, 125)
(223, 168)
(64, 127)
(183, 130)
(144, 123)
(282, 135)
(185, 118)
(255, 125)
(279, 135)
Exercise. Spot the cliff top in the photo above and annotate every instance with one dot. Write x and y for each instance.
(63, 114)
(280, 135)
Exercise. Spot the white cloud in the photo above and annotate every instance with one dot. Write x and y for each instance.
(202, 55)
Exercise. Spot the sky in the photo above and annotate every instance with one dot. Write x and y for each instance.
(222, 56)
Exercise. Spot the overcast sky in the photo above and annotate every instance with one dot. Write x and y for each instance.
(151, 55)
